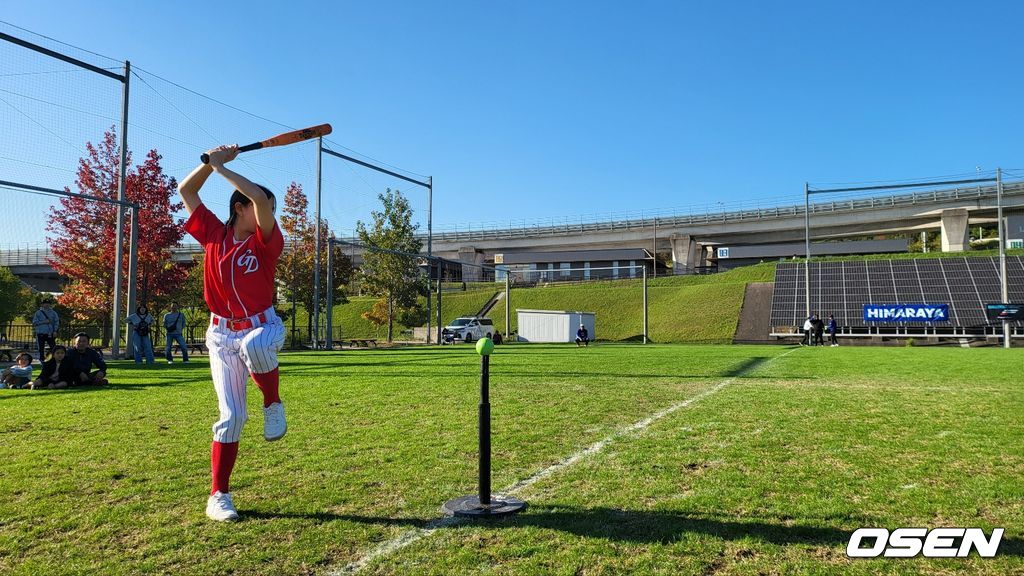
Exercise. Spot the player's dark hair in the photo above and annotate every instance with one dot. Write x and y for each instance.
(238, 198)
(54, 350)
(25, 354)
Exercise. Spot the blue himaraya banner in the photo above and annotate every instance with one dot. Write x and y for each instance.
(906, 312)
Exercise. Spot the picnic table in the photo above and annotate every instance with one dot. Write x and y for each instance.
(193, 348)
(357, 342)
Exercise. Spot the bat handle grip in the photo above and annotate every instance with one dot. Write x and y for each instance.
(205, 158)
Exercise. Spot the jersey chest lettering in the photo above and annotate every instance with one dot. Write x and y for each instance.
(248, 262)
(238, 259)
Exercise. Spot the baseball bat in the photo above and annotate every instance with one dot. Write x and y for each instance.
(282, 139)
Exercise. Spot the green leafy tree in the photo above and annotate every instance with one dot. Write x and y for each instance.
(190, 299)
(15, 297)
(393, 278)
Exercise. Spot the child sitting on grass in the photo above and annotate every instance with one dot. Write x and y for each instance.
(56, 372)
(19, 375)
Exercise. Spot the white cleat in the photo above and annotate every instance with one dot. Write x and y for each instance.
(219, 507)
(274, 425)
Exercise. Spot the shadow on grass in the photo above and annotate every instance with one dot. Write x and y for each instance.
(740, 370)
(646, 527)
(748, 365)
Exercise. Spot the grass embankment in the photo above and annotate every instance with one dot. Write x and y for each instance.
(696, 309)
(349, 317)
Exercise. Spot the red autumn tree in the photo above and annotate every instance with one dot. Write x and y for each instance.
(83, 231)
(295, 269)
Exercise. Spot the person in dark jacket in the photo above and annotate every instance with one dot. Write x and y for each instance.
(582, 336)
(832, 331)
(81, 360)
(56, 373)
(818, 326)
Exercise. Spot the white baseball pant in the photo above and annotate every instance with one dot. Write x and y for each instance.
(234, 354)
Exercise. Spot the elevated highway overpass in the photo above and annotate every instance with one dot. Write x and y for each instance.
(686, 237)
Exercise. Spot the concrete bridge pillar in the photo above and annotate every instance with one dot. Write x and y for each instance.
(955, 230)
(468, 255)
(685, 253)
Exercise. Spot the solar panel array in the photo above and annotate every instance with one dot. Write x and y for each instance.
(843, 288)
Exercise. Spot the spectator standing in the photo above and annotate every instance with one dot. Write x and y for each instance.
(56, 373)
(142, 324)
(174, 323)
(45, 323)
(832, 331)
(819, 327)
(19, 375)
(81, 360)
(808, 326)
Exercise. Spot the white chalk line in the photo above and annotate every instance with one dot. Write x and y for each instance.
(416, 534)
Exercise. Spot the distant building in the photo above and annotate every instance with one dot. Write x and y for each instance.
(532, 267)
(729, 257)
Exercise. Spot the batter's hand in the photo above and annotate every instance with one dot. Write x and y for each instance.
(221, 155)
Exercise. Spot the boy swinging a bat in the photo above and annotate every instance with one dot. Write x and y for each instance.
(245, 333)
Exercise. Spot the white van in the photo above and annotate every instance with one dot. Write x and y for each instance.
(470, 328)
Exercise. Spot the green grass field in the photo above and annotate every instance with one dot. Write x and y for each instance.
(778, 456)
(618, 305)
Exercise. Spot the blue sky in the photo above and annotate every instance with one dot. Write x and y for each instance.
(522, 110)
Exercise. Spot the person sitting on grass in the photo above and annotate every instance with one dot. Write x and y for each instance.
(19, 375)
(81, 360)
(55, 375)
(582, 337)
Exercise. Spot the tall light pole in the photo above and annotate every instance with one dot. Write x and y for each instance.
(1002, 254)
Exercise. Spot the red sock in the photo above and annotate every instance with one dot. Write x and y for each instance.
(222, 461)
(268, 384)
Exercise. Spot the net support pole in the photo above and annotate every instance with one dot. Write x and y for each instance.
(292, 288)
(440, 326)
(1004, 288)
(645, 303)
(654, 247)
(430, 252)
(133, 262)
(329, 312)
(316, 265)
(807, 248)
(115, 346)
(508, 304)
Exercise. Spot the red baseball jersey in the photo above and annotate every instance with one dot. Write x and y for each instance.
(238, 276)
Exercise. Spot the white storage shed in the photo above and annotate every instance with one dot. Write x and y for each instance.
(553, 325)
